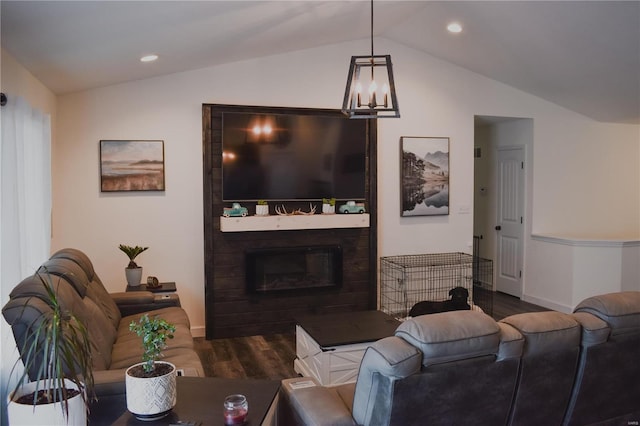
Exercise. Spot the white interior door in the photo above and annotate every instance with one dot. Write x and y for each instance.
(510, 220)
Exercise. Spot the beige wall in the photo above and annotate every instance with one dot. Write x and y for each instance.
(18, 81)
(573, 159)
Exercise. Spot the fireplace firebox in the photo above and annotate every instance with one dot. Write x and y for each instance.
(293, 269)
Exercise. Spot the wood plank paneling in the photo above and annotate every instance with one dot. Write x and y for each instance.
(229, 310)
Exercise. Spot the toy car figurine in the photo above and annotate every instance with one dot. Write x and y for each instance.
(351, 207)
(235, 210)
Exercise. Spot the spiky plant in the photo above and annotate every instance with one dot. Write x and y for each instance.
(56, 347)
(132, 253)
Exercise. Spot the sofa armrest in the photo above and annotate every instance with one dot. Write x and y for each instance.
(109, 382)
(136, 302)
(132, 297)
(303, 401)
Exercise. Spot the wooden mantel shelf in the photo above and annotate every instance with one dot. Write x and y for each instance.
(295, 222)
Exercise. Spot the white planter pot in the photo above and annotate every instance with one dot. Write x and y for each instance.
(134, 276)
(46, 414)
(262, 210)
(151, 398)
(328, 209)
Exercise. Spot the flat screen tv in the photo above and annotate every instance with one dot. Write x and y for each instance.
(293, 156)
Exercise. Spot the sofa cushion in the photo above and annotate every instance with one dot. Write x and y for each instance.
(81, 259)
(304, 402)
(68, 270)
(96, 290)
(451, 336)
(101, 298)
(101, 334)
(621, 311)
(546, 331)
(127, 349)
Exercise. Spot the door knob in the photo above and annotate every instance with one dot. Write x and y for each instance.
(498, 228)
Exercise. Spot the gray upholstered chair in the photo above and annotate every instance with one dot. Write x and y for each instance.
(448, 368)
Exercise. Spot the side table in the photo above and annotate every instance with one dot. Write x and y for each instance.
(168, 287)
(330, 347)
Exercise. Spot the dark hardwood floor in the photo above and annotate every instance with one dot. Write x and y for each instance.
(505, 305)
(271, 356)
(255, 357)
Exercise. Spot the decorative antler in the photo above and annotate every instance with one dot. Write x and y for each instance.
(282, 211)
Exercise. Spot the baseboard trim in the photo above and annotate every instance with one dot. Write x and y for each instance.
(199, 331)
(547, 304)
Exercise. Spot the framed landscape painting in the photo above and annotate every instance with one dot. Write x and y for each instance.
(424, 176)
(130, 165)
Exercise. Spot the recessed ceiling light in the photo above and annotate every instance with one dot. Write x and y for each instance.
(149, 58)
(454, 27)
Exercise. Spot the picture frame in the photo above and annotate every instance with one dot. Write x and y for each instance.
(132, 165)
(424, 176)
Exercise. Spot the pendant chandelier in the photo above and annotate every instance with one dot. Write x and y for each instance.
(370, 91)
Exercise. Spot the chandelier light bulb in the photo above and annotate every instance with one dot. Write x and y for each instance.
(266, 129)
(372, 87)
(385, 92)
(358, 93)
(256, 130)
(372, 94)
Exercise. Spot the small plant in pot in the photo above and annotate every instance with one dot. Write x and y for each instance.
(133, 271)
(56, 385)
(262, 208)
(151, 384)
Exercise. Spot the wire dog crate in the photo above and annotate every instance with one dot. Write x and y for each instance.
(407, 280)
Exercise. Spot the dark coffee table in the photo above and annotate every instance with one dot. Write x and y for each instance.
(199, 400)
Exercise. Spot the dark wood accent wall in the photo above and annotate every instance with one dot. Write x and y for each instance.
(230, 311)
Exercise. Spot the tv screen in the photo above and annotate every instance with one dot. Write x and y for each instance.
(292, 157)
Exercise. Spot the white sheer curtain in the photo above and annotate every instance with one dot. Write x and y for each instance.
(25, 209)
(25, 165)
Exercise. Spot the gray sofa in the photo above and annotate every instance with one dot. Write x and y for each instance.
(462, 367)
(107, 317)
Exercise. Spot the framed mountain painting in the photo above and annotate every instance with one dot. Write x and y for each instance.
(424, 176)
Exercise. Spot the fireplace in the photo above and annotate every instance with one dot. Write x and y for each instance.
(293, 269)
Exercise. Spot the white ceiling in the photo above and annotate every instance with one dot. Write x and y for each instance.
(583, 55)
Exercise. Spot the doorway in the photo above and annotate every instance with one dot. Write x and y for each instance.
(500, 196)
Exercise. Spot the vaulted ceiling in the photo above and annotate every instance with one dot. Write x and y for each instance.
(583, 55)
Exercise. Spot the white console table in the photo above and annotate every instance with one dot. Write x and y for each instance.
(330, 347)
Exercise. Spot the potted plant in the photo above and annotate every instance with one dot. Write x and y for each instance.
(262, 208)
(328, 205)
(151, 384)
(133, 271)
(56, 385)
